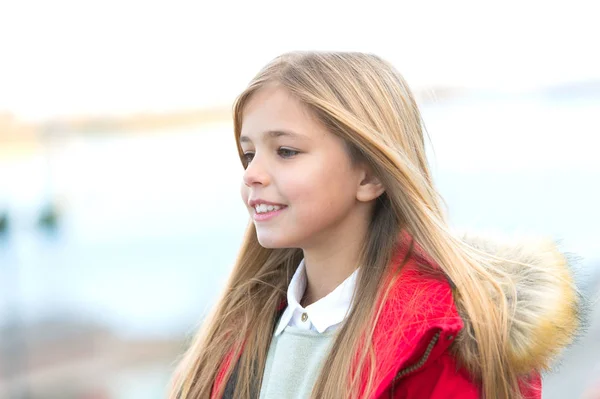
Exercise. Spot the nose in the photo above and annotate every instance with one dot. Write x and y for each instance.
(256, 173)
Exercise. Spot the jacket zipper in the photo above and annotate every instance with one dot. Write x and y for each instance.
(416, 366)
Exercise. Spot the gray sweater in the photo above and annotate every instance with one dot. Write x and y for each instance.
(293, 363)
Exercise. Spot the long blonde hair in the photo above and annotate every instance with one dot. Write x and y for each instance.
(364, 100)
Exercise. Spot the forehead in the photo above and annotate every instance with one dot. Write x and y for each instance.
(273, 108)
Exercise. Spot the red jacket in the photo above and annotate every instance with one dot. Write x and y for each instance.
(419, 324)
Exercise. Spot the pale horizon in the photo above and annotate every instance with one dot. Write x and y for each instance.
(71, 58)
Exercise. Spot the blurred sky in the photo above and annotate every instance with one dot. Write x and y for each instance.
(114, 56)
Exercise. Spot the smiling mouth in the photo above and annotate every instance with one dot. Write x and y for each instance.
(264, 212)
(264, 208)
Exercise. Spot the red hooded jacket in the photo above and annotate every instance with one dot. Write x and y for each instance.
(416, 337)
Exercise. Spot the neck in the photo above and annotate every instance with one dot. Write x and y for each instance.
(328, 267)
(333, 255)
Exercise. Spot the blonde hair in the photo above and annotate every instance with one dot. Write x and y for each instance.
(364, 100)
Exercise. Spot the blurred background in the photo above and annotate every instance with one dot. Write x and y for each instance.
(120, 214)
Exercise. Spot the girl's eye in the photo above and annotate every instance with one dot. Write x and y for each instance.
(247, 158)
(287, 153)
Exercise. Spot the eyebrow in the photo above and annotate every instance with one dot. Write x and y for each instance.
(272, 134)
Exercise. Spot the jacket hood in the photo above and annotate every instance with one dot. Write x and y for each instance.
(537, 282)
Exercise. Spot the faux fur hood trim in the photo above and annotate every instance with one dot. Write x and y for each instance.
(547, 306)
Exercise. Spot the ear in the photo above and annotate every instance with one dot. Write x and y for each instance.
(369, 186)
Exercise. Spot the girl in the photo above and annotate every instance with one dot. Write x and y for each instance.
(349, 283)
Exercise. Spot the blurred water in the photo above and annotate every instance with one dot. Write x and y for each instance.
(151, 224)
(148, 230)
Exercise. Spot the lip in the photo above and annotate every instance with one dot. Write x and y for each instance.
(258, 201)
(262, 217)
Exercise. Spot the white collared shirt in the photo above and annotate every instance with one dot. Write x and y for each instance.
(323, 315)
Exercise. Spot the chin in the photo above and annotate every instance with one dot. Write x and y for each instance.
(270, 243)
(273, 242)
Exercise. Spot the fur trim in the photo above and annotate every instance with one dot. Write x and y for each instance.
(538, 284)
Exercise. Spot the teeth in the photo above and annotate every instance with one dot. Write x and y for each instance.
(263, 208)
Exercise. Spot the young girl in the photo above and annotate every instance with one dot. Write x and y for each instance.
(349, 283)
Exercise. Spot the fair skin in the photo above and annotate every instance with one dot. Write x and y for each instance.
(323, 200)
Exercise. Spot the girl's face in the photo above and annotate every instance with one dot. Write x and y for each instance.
(300, 186)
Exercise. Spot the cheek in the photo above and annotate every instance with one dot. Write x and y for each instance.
(321, 189)
(297, 188)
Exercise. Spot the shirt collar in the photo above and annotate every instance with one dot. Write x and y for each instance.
(324, 313)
